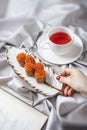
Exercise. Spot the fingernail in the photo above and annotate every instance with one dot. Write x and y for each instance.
(58, 77)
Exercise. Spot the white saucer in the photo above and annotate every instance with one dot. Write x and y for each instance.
(46, 53)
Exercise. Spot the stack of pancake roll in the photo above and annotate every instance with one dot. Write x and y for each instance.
(32, 68)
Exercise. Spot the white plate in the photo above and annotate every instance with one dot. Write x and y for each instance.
(46, 53)
(44, 88)
(5, 69)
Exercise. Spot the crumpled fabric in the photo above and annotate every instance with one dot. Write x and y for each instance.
(20, 22)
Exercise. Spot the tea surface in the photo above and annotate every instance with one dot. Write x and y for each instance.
(60, 38)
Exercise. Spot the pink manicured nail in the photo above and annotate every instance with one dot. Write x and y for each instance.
(58, 77)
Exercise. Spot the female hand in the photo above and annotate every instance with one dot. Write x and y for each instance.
(73, 80)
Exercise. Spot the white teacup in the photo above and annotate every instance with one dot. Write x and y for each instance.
(60, 40)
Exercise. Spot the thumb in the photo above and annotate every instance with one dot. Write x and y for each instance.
(62, 79)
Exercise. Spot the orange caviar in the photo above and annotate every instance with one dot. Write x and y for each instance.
(38, 66)
(29, 58)
(29, 66)
(40, 74)
(21, 57)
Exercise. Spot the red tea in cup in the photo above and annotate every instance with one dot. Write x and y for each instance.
(60, 38)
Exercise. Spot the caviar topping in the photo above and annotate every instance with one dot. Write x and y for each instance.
(21, 57)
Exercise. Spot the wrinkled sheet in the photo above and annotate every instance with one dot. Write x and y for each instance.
(20, 22)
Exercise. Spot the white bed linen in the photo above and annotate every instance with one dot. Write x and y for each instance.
(20, 21)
